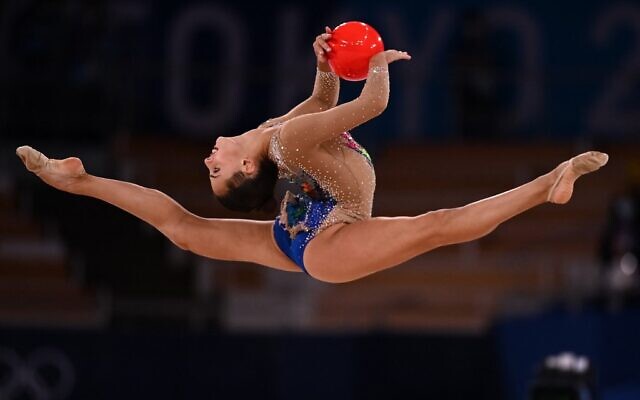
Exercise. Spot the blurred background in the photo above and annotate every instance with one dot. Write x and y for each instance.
(95, 304)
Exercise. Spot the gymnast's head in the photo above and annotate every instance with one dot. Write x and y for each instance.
(242, 176)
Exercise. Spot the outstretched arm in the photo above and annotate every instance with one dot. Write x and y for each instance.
(326, 88)
(307, 131)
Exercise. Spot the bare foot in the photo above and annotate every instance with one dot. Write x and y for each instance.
(567, 173)
(61, 174)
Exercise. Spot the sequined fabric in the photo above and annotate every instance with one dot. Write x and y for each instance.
(314, 150)
(296, 209)
(351, 195)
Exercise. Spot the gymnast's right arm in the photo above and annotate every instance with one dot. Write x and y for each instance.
(326, 88)
(310, 130)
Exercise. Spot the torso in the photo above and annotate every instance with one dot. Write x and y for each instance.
(339, 174)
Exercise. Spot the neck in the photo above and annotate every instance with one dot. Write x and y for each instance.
(257, 141)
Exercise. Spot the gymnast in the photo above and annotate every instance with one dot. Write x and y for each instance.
(324, 226)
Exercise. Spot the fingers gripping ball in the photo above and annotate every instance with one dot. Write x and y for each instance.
(352, 45)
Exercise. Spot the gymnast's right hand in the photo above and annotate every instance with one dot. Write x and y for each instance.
(65, 175)
(321, 48)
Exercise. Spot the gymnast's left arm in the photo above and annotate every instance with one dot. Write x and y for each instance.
(326, 88)
(305, 132)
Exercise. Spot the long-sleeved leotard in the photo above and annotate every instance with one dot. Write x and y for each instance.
(334, 174)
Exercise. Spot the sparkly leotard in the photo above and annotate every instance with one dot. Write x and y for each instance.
(334, 186)
(332, 174)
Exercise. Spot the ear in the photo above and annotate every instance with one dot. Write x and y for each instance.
(248, 166)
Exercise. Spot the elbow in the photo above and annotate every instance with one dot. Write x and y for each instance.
(377, 105)
(327, 103)
(178, 239)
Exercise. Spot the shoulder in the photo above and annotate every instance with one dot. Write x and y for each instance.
(270, 123)
(290, 150)
(279, 151)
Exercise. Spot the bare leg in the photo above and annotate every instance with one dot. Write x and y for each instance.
(224, 239)
(376, 244)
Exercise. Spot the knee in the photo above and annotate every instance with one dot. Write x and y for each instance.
(453, 226)
(176, 232)
(433, 226)
(378, 106)
(181, 245)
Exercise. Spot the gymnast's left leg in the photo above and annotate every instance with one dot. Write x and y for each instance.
(379, 243)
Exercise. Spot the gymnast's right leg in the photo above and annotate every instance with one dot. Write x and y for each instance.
(222, 239)
(364, 247)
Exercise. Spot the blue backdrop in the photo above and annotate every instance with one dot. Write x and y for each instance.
(511, 70)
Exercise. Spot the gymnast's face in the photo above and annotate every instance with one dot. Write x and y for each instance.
(227, 158)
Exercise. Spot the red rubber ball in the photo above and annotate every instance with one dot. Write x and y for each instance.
(352, 45)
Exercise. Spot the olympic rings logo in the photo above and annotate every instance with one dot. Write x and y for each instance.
(46, 374)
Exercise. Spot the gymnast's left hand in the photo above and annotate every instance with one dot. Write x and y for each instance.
(395, 55)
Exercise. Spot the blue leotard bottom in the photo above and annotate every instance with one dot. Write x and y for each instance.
(311, 213)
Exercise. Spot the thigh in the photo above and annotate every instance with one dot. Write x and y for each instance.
(234, 240)
(345, 252)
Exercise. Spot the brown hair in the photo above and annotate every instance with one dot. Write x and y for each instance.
(252, 193)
